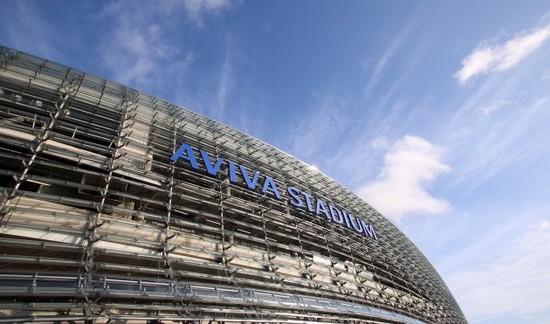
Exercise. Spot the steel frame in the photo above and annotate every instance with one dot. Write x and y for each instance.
(98, 224)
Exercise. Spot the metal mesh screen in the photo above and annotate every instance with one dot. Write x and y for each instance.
(99, 223)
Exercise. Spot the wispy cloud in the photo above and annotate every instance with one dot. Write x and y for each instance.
(138, 44)
(513, 283)
(23, 24)
(225, 81)
(311, 135)
(389, 53)
(490, 56)
(197, 9)
(492, 137)
(410, 166)
(495, 106)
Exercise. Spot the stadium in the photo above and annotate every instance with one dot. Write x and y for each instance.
(119, 207)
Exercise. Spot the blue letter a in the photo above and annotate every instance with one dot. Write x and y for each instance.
(189, 156)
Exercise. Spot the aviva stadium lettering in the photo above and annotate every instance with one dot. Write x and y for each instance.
(297, 198)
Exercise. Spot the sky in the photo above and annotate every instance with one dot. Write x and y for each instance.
(437, 113)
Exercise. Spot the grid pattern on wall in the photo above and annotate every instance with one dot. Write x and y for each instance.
(98, 223)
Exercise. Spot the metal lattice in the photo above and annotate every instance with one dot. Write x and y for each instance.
(98, 223)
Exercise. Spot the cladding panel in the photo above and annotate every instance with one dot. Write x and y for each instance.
(98, 221)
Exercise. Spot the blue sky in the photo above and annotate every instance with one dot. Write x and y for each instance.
(437, 113)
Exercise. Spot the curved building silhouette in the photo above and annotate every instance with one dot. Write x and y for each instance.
(117, 206)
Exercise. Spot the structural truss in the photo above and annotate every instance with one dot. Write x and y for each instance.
(99, 224)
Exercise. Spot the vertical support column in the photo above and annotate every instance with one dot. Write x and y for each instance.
(305, 264)
(226, 240)
(334, 272)
(295, 221)
(92, 236)
(61, 109)
(349, 291)
(270, 255)
(167, 233)
(224, 192)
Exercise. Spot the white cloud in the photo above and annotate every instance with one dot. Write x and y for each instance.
(515, 282)
(511, 133)
(137, 48)
(411, 164)
(308, 137)
(23, 23)
(490, 57)
(390, 52)
(144, 43)
(495, 106)
(197, 9)
(225, 81)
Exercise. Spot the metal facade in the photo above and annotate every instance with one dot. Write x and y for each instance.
(99, 224)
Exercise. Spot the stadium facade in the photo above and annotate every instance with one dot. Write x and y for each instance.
(117, 206)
